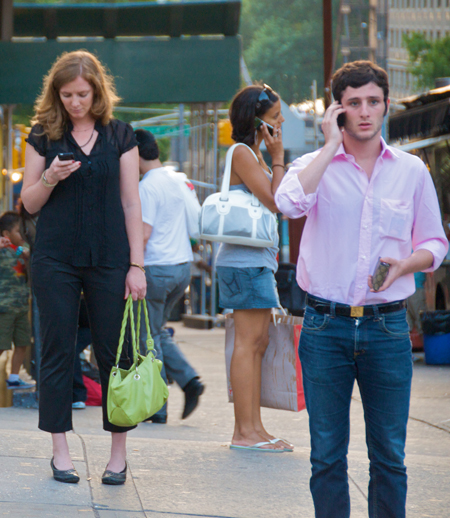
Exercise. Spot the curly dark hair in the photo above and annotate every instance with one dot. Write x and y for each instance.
(8, 220)
(357, 74)
(245, 106)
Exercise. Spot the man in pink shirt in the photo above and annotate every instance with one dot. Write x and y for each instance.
(364, 200)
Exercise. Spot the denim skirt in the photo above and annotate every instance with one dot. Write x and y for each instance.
(247, 288)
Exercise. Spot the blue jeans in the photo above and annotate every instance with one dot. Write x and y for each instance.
(376, 352)
(165, 286)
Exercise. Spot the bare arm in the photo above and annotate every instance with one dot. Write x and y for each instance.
(136, 283)
(416, 262)
(147, 233)
(312, 174)
(34, 193)
(250, 172)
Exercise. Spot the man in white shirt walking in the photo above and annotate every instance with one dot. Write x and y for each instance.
(167, 257)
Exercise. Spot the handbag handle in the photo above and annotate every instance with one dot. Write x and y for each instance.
(129, 313)
(225, 189)
(150, 342)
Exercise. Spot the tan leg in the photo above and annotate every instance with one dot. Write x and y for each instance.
(18, 359)
(118, 452)
(251, 339)
(61, 455)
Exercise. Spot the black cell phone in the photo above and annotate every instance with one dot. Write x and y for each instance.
(259, 123)
(341, 116)
(380, 274)
(66, 156)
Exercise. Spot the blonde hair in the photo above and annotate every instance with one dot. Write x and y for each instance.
(49, 109)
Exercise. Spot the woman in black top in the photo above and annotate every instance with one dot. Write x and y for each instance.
(89, 237)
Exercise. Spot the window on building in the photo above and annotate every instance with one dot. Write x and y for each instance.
(438, 35)
(438, 3)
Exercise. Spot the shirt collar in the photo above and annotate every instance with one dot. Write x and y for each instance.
(151, 171)
(386, 151)
(98, 126)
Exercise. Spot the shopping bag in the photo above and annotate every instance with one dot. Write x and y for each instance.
(139, 392)
(281, 374)
(94, 392)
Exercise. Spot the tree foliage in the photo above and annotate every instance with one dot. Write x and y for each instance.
(283, 44)
(428, 60)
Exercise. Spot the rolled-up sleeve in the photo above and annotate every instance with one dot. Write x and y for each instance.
(290, 197)
(428, 233)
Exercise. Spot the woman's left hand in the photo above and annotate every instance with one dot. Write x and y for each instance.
(136, 284)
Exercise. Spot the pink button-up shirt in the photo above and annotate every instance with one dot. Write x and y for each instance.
(353, 220)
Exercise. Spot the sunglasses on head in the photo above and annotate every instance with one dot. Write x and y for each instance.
(264, 96)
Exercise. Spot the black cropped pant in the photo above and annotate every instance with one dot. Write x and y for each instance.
(58, 288)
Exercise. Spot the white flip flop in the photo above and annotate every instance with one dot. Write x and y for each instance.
(257, 447)
(274, 441)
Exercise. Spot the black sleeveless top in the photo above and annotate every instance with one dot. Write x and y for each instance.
(83, 223)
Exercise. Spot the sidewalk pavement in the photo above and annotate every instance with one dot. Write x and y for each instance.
(186, 469)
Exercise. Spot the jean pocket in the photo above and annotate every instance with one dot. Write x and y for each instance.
(231, 284)
(314, 321)
(395, 324)
(258, 271)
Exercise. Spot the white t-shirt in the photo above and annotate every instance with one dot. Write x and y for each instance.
(163, 207)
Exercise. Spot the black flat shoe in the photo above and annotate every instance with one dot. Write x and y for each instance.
(114, 479)
(69, 476)
(192, 392)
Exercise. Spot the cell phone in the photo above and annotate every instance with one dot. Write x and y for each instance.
(66, 156)
(259, 123)
(341, 116)
(380, 274)
(341, 120)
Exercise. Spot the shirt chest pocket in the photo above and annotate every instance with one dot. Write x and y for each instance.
(396, 217)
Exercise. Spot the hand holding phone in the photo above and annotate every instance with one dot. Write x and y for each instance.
(380, 274)
(66, 156)
(259, 123)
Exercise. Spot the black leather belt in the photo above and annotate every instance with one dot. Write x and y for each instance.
(344, 310)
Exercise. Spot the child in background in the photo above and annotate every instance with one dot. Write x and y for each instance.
(14, 295)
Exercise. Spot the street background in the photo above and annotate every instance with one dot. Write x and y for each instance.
(186, 469)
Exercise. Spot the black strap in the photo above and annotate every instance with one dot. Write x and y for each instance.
(324, 306)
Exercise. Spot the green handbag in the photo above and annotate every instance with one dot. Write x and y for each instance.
(139, 392)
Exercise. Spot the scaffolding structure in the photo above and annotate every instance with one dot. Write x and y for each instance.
(362, 31)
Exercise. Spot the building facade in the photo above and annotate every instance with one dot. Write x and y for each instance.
(430, 17)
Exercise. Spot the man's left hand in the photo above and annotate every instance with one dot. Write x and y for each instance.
(395, 271)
